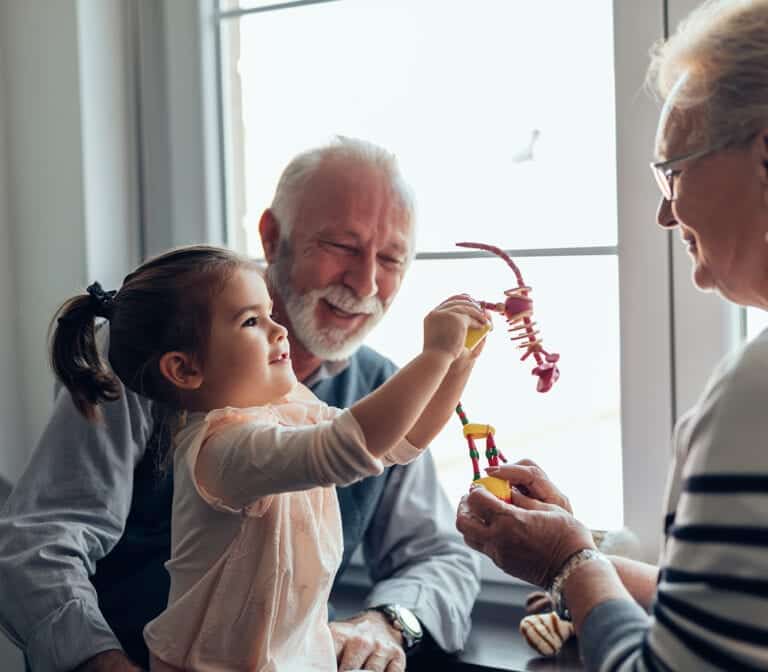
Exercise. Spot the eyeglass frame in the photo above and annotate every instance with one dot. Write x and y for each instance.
(665, 175)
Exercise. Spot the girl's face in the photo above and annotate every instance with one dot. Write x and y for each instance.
(248, 361)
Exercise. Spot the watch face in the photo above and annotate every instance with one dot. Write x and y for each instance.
(409, 621)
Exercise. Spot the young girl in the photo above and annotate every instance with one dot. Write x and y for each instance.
(256, 530)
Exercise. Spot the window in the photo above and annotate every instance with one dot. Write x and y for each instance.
(519, 124)
(460, 104)
(756, 321)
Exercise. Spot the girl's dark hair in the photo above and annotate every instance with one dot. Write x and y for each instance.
(164, 305)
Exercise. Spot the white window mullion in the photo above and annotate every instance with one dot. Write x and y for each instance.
(644, 281)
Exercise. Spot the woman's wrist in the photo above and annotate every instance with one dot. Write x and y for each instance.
(567, 568)
(589, 584)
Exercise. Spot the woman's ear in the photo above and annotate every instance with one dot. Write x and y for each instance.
(181, 370)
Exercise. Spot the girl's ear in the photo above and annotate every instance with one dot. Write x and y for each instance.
(181, 370)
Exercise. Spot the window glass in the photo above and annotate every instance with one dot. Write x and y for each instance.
(574, 430)
(757, 321)
(503, 122)
(502, 118)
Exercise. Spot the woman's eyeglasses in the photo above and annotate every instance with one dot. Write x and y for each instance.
(666, 172)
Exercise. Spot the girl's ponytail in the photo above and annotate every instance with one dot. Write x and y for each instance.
(74, 355)
(164, 305)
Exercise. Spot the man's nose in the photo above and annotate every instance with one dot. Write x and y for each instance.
(664, 215)
(361, 276)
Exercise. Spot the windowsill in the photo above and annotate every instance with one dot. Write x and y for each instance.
(494, 645)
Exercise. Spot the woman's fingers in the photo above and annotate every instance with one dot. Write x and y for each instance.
(529, 503)
(531, 479)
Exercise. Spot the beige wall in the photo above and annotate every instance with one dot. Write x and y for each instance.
(70, 162)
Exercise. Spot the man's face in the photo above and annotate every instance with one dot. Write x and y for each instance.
(345, 259)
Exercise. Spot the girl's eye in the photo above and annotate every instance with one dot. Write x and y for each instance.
(251, 322)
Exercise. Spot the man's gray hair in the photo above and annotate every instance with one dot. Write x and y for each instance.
(298, 172)
(723, 47)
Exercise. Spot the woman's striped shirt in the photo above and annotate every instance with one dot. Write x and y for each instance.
(711, 606)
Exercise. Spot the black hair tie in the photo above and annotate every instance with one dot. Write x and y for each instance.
(103, 302)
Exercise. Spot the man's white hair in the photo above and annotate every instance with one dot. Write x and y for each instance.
(298, 172)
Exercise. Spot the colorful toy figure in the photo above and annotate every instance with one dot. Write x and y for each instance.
(472, 431)
(517, 310)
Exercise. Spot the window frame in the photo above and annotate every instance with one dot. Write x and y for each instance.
(671, 334)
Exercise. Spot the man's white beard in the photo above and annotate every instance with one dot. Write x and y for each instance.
(328, 343)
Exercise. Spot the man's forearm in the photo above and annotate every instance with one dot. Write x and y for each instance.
(68, 511)
(417, 558)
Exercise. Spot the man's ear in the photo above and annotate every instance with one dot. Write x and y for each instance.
(181, 370)
(269, 230)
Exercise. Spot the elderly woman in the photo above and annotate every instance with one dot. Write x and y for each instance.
(709, 598)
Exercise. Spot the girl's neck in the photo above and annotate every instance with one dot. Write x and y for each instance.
(304, 362)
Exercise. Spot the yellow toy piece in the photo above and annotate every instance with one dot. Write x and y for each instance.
(496, 486)
(478, 431)
(475, 335)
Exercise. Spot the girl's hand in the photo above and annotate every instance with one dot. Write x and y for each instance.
(445, 328)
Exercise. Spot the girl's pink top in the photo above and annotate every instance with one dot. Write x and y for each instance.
(256, 535)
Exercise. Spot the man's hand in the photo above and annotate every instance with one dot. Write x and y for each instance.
(368, 642)
(108, 661)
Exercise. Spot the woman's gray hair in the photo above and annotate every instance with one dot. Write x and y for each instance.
(723, 46)
(298, 172)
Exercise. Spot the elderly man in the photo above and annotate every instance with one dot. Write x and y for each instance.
(87, 530)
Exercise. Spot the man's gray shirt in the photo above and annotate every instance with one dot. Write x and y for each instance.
(70, 508)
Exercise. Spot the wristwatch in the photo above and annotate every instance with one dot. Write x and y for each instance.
(555, 589)
(405, 621)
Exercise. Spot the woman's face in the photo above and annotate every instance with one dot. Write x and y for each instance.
(720, 208)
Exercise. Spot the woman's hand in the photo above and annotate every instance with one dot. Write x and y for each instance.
(529, 478)
(529, 539)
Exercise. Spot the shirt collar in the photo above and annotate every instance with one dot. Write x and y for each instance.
(326, 370)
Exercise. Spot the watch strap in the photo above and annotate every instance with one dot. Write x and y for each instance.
(555, 588)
